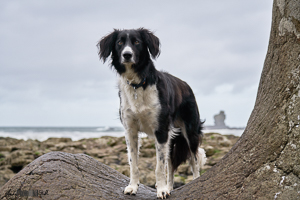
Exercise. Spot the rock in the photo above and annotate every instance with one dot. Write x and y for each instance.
(5, 175)
(5, 148)
(150, 180)
(75, 176)
(58, 140)
(147, 163)
(148, 143)
(109, 150)
(20, 158)
(26, 145)
(189, 179)
(209, 150)
(77, 145)
(120, 148)
(148, 153)
(147, 177)
(178, 181)
(98, 153)
(6, 141)
(223, 141)
(111, 160)
(101, 143)
(184, 169)
(52, 142)
(123, 159)
(220, 120)
(60, 146)
(124, 170)
(111, 141)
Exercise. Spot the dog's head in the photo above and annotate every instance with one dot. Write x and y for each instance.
(129, 47)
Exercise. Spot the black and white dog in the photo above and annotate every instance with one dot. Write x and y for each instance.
(154, 102)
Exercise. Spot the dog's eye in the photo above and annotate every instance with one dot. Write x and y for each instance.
(136, 42)
(120, 43)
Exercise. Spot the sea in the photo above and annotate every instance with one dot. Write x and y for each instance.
(77, 133)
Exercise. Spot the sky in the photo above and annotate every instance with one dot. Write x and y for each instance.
(51, 75)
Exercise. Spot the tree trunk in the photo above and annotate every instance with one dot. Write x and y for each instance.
(263, 164)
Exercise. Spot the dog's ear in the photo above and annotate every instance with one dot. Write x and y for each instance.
(151, 41)
(106, 44)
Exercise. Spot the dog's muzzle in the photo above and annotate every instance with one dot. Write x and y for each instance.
(127, 56)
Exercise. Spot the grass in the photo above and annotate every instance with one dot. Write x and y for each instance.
(109, 142)
(153, 146)
(217, 151)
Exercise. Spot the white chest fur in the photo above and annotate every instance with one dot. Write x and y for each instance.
(141, 113)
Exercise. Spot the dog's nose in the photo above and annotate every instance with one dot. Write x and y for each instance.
(127, 55)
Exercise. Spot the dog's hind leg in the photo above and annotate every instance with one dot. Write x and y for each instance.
(197, 161)
(132, 148)
(194, 163)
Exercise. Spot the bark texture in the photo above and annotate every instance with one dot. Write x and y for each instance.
(263, 164)
(59, 175)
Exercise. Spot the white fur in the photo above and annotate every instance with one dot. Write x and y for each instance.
(132, 149)
(127, 49)
(202, 157)
(138, 115)
(141, 115)
(162, 153)
(170, 175)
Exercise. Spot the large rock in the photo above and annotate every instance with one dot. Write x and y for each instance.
(59, 175)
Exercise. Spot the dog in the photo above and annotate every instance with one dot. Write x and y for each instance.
(156, 103)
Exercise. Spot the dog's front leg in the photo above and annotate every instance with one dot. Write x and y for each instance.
(132, 149)
(162, 151)
(170, 175)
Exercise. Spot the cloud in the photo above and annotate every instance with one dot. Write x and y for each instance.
(49, 57)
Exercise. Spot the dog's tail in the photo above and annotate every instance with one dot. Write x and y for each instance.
(179, 151)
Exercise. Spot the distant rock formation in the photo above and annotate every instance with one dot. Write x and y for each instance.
(220, 120)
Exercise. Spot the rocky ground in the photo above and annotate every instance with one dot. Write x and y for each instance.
(16, 154)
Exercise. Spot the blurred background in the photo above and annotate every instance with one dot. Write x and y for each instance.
(51, 75)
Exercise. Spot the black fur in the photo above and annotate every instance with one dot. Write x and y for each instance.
(178, 103)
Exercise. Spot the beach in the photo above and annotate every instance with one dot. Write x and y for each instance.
(78, 133)
(15, 153)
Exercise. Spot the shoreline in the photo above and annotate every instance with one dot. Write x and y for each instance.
(78, 133)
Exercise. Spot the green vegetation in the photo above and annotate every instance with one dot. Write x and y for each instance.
(217, 151)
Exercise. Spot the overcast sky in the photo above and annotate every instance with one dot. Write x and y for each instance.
(50, 73)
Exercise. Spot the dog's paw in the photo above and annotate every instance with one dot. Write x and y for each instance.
(170, 188)
(163, 193)
(131, 189)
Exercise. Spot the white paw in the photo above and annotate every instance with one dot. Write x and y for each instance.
(131, 189)
(163, 193)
